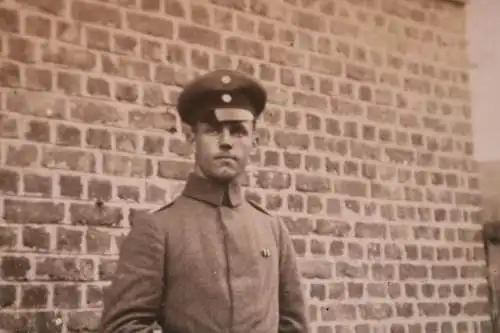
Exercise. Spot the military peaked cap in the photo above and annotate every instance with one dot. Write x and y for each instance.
(226, 94)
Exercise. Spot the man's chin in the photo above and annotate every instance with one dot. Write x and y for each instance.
(226, 175)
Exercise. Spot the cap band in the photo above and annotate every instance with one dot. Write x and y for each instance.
(233, 114)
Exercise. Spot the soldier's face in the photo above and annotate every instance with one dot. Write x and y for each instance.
(223, 149)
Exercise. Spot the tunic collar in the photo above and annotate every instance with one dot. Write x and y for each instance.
(212, 192)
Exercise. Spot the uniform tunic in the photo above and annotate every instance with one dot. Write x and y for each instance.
(208, 262)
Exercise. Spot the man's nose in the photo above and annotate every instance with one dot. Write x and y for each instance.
(225, 139)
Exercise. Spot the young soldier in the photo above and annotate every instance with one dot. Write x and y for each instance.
(210, 261)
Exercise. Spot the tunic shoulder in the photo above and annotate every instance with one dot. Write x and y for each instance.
(162, 207)
(258, 206)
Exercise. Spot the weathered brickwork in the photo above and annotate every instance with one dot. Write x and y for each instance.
(366, 150)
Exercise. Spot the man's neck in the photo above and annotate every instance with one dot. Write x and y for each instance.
(213, 191)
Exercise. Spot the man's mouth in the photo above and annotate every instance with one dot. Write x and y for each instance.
(226, 157)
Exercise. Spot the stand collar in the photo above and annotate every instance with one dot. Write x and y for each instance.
(213, 192)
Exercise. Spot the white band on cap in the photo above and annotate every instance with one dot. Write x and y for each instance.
(233, 114)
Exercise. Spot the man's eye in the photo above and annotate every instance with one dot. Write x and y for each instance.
(212, 131)
(238, 132)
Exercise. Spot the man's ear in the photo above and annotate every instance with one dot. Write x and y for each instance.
(190, 133)
(255, 143)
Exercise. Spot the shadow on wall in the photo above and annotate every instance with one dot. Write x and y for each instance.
(490, 190)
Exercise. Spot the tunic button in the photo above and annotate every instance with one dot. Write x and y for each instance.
(266, 253)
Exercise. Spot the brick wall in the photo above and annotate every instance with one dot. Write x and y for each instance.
(366, 150)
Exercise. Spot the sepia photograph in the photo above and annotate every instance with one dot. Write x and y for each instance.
(249, 166)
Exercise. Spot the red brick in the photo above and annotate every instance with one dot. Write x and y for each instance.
(96, 13)
(37, 185)
(244, 47)
(155, 194)
(15, 268)
(201, 59)
(272, 158)
(125, 166)
(290, 139)
(8, 126)
(73, 160)
(98, 87)
(179, 147)
(308, 21)
(176, 8)
(34, 297)
(176, 54)
(9, 182)
(48, 6)
(69, 32)
(149, 25)
(126, 92)
(171, 76)
(174, 170)
(8, 238)
(153, 145)
(98, 241)
(69, 83)
(67, 296)
(165, 121)
(151, 50)
(65, 269)
(200, 14)
(99, 190)
(70, 186)
(265, 9)
(125, 142)
(347, 270)
(37, 131)
(21, 49)
(95, 215)
(16, 211)
(244, 25)
(410, 271)
(96, 112)
(69, 240)
(69, 57)
(332, 228)
(153, 95)
(68, 136)
(10, 20)
(200, 36)
(98, 138)
(83, 320)
(232, 4)
(38, 26)
(274, 180)
(310, 183)
(10, 73)
(39, 79)
(283, 56)
(94, 296)
(7, 296)
(339, 312)
(316, 269)
(124, 44)
(128, 193)
(150, 5)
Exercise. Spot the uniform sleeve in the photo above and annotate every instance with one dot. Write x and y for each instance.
(292, 305)
(133, 300)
